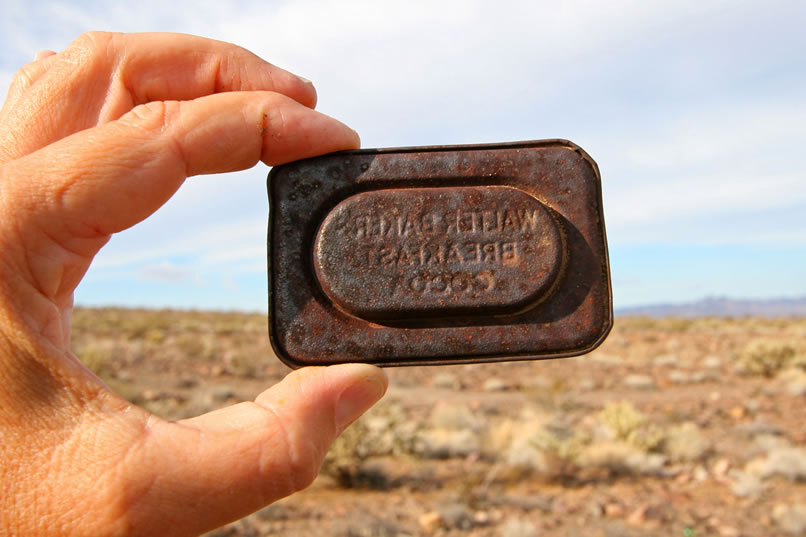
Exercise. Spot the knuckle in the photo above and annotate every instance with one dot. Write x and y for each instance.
(155, 119)
(295, 453)
(223, 69)
(24, 77)
(93, 40)
(304, 466)
(92, 46)
(153, 116)
(274, 121)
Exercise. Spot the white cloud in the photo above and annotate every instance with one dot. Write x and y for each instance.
(238, 253)
(214, 244)
(718, 166)
(744, 132)
(432, 64)
(697, 195)
(694, 110)
(166, 272)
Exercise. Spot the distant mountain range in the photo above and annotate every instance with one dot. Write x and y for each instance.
(723, 307)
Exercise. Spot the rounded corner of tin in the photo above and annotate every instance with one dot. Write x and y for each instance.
(280, 352)
(585, 156)
(274, 172)
(607, 327)
(604, 330)
(277, 347)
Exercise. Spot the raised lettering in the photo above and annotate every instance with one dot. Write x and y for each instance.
(528, 219)
(435, 250)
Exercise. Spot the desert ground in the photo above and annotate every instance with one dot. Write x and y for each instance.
(673, 427)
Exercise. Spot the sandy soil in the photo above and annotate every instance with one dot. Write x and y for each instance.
(672, 427)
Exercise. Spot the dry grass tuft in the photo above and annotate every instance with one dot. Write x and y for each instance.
(766, 357)
(627, 424)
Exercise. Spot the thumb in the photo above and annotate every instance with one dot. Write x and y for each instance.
(216, 468)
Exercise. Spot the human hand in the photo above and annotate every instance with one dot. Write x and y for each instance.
(93, 140)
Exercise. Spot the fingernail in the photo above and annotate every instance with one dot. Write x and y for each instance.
(304, 80)
(358, 398)
(42, 54)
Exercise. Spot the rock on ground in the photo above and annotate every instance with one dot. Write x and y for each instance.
(495, 385)
(620, 457)
(454, 417)
(639, 382)
(685, 442)
(457, 515)
(445, 443)
(712, 362)
(795, 381)
(791, 518)
(516, 527)
(446, 381)
(789, 462)
(745, 485)
(430, 522)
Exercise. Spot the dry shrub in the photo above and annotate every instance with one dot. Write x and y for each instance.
(246, 365)
(151, 326)
(767, 357)
(560, 444)
(664, 324)
(560, 450)
(536, 444)
(383, 431)
(624, 441)
(96, 355)
(627, 424)
(617, 440)
(192, 346)
(154, 336)
(798, 361)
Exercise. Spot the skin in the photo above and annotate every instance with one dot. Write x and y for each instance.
(93, 140)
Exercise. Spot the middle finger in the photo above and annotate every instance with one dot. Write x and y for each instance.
(101, 76)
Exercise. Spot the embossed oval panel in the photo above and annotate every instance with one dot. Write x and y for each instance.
(438, 252)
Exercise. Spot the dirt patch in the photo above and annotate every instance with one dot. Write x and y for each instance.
(672, 427)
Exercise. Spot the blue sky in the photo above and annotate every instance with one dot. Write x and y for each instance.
(695, 112)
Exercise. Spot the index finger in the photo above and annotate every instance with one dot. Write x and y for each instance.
(101, 76)
(106, 179)
(168, 67)
(161, 66)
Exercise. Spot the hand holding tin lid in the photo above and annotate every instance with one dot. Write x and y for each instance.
(93, 140)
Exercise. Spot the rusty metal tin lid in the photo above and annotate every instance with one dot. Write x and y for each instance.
(437, 252)
(438, 255)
